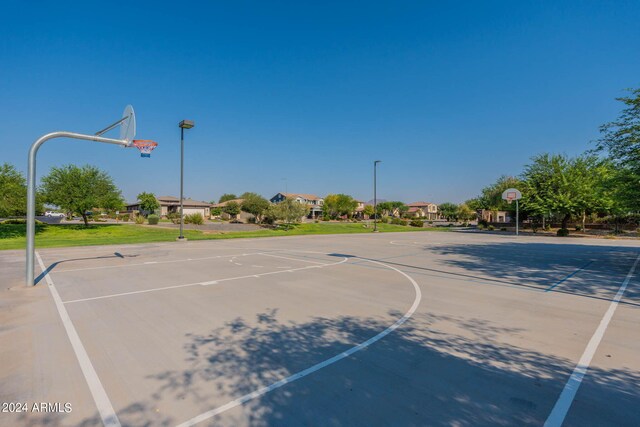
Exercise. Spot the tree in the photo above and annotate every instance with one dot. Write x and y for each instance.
(226, 197)
(80, 189)
(491, 197)
(148, 202)
(255, 204)
(566, 186)
(465, 213)
(621, 139)
(288, 210)
(449, 211)
(389, 208)
(232, 209)
(368, 211)
(336, 205)
(13, 192)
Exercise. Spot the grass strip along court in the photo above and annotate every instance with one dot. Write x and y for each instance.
(12, 236)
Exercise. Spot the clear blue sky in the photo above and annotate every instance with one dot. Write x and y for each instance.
(449, 95)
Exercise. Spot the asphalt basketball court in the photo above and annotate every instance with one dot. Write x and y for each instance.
(395, 329)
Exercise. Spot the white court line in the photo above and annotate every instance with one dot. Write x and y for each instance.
(206, 283)
(293, 259)
(107, 414)
(247, 397)
(561, 408)
(153, 262)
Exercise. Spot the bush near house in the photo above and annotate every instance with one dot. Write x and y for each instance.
(153, 219)
(398, 221)
(194, 218)
(416, 223)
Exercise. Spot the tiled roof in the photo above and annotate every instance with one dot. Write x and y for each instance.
(174, 201)
(303, 196)
(223, 204)
(419, 204)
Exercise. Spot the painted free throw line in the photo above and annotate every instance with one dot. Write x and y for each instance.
(247, 397)
(561, 408)
(107, 414)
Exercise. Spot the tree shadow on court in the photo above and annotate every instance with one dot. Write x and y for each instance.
(594, 272)
(433, 370)
(584, 270)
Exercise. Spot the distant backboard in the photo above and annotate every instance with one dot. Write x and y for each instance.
(511, 194)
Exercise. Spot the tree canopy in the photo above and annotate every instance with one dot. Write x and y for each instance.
(449, 211)
(288, 210)
(255, 204)
(13, 192)
(148, 202)
(232, 209)
(80, 189)
(336, 205)
(567, 186)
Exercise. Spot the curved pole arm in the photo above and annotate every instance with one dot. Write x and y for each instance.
(31, 188)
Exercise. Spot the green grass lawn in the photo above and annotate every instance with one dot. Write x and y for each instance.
(12, 236)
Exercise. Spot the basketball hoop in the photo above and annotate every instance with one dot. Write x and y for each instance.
(145, 146)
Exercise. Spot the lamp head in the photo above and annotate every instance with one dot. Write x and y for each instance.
(186, 124)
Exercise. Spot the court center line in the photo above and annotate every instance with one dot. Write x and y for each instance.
(561, 408)
(301, 374)
(204, 283)
(568, 277)
(105, 408)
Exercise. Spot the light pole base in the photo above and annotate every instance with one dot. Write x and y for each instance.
(181, 239)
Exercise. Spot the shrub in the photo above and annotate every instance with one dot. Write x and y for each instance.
(465, 224)
(398, 221)
(483, 222)
(194, 218)
(153, 219)
(490, 227)
(18, 221)
(174, 217)
(481, 227)
(562, 232)
(384, 219)
(578, 228)
(416, 223)
(503, 228)
(139, 219)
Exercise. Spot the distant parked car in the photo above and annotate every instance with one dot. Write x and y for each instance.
(52, 214)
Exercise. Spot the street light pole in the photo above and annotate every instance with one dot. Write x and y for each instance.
(375, 196)
(185, 124)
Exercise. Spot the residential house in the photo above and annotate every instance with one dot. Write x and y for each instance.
(360, 210)
(170, 204)
(242, 216)
(493, 216)
(424, 210)
(311, 200)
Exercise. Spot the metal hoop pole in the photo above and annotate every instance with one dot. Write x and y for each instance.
(31, 189)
